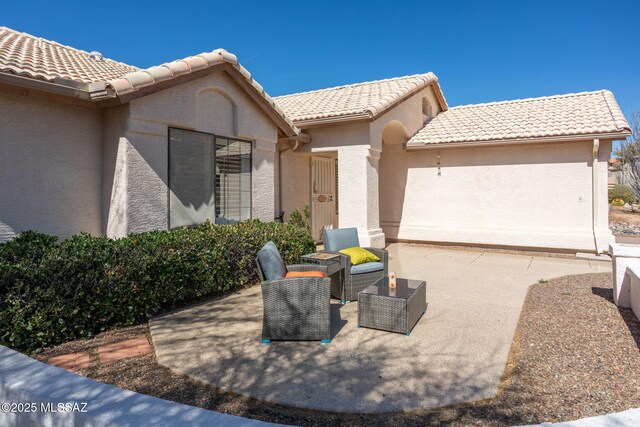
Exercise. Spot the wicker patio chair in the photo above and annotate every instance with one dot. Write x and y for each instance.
(356, 277)
(294, 308)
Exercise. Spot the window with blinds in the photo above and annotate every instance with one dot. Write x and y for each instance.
(209, 178)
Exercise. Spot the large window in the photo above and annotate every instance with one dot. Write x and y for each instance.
(209, 178)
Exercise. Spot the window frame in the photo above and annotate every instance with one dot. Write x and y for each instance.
(215, 186)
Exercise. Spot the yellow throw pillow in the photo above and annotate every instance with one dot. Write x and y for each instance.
(359, 255)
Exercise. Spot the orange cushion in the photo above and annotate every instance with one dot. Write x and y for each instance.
(291, 274)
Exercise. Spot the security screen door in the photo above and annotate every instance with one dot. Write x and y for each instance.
(323, 204)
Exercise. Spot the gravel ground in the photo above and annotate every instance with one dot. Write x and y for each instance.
(574, 355)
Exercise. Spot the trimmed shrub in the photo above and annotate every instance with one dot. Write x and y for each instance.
(51, 293)
(617, 202)
(621, 192)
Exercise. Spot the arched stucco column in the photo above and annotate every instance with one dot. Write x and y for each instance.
(358, 193)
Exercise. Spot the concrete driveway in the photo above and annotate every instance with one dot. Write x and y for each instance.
(456, 352)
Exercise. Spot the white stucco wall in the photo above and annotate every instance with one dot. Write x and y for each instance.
(295, 186)
(528, 195)
(138, 149)
(535, 195)
(357, 147)
(29, 382)
(358, 176)
(50, 166)
(407, 115)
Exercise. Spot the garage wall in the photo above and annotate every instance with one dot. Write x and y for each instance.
(50, 166)
(138, 149)
(536, 195)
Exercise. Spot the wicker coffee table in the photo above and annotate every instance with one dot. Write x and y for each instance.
(394, 310)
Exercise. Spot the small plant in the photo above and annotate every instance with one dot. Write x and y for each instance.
(301, 220)
(543, 281)
(617, 202)
(622, 192)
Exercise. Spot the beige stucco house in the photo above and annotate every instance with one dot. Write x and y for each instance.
(91, 144)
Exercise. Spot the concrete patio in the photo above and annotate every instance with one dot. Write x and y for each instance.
(456, 352)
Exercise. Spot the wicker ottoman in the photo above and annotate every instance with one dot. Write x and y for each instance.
(394, 310)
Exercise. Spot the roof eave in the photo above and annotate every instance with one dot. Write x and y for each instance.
(231, 70)
(80, 90)
(558, 138)
(371, 114)
(349, 118)
(439, 95)
(142, 91)
(229, 64)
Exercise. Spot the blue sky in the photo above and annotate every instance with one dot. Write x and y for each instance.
(481, 51)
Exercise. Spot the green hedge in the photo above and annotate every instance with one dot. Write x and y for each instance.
(621, 192)
(51, 293)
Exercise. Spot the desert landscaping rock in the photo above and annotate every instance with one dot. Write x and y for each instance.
(625, 228)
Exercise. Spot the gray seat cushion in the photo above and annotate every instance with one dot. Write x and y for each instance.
(367, 267)
(271, 262)
(340, 238)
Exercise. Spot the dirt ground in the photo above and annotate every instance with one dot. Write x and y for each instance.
(624, 214)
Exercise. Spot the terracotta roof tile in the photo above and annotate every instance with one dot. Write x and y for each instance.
(34, 57)
(368, 98)
(29, 56)
(574, 114)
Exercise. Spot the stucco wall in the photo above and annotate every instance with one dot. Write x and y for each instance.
(357, 170)
(531, 195)
(357, 147)
(402, 121)
(138, 149)
(536, 195)
(50, 166)
(296, 173)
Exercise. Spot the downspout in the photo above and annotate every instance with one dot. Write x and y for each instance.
(594, 196)
(294, 147)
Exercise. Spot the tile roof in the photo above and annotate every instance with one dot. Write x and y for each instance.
(28, 56)
(368, 99)
(571, 115)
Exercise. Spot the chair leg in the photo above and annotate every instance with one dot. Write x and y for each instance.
(266, 341)
(325, 341)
